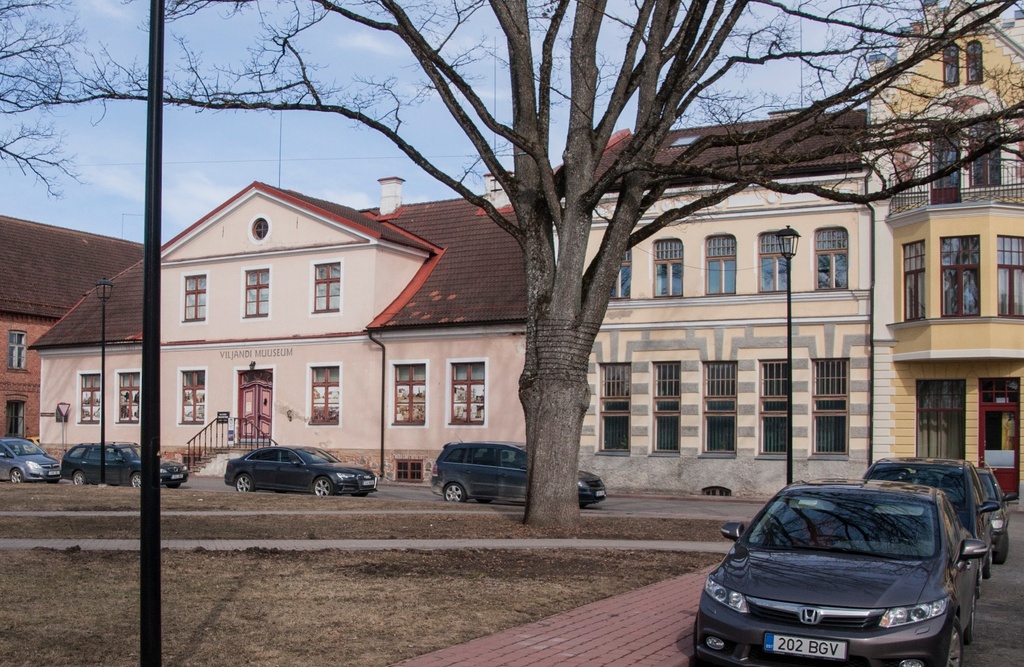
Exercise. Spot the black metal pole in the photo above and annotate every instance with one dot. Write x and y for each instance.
(789, 371)
(103, 385)
(149, 537)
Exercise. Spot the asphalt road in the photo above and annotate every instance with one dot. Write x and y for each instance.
(999, 639)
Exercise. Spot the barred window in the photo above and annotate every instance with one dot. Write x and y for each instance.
(667, 399)
(721, 265)
(913, 281)
(720, 406)
(668, 268)
(774, 400)
(830, 406)
(615, 407)
(325, 391)
(831, 248)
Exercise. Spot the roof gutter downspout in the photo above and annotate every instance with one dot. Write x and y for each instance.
(383, 387)
(871, 326)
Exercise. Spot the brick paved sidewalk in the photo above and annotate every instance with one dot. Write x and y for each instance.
(648, 627)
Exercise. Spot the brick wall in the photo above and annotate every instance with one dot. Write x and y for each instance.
(22, 385)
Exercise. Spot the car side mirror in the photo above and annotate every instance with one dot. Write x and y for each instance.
(732, 530)
(989, 506)
(1010, 497)
(297, 464)
(972, 548)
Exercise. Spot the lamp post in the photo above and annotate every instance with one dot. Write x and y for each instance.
(103, 289)
(788, 239)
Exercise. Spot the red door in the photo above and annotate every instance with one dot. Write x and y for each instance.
(255, 404)
(998, 419)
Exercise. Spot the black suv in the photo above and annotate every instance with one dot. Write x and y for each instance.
(486, 471)
(961, 484)
(81, 464)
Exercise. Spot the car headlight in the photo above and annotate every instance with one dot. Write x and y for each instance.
(33, 466)
(345, 475)
(731, 599)
(897, 616)
(581, 484)
(998, 524)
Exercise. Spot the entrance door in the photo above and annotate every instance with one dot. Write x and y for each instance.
(999, 415)
(255, 405)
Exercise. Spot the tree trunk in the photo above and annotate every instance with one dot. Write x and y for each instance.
(555, 395)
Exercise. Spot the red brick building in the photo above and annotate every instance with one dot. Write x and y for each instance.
(44, 272)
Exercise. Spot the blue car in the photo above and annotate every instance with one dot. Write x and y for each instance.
(24, 461)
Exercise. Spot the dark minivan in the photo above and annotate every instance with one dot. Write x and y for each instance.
(486, 471)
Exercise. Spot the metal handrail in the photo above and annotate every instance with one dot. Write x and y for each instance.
(225, 435)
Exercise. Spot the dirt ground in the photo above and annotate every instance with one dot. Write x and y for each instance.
(263, 607)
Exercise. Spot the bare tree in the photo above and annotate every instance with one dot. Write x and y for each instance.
(37, 50)
(582, 70)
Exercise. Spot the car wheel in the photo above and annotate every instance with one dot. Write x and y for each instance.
(136, 480)
(986, 568)
(323, 486)
(78, 478)
(17, 477)
(955, 655)
(999, 555)
(243, 483)
(454, 493)
(174, 486)
(968, 632)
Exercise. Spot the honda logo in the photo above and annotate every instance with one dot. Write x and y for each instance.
(810, 615)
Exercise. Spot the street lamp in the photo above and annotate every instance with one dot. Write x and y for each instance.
(103, 289)
(787, 239)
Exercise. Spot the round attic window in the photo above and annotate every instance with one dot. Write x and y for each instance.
(260, 229)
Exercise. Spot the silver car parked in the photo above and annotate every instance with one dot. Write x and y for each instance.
(24, 461)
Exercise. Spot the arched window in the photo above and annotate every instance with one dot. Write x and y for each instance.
(951, 65)
(975, 71)
(830, 248)
(721, 265)
(668, 268)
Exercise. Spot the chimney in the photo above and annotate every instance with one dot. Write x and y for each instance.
(494, 193)
(390, 194)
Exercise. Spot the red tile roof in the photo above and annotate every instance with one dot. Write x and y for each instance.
(46, 270)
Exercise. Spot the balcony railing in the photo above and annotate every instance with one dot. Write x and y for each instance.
(1001, 181)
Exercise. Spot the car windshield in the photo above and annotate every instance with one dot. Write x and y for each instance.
(312, 455)
(24, 447)
(949, 479)
(881, 524)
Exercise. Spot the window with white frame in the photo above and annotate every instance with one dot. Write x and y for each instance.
(327, 288)
(830, 249)
(773, 265)
(410, 394)
(193, 397)
(128, 387)
(668, 267)
(257, 293)
(468, 385)
(721, 265)
(92, 399)
(17, 350)
(195, 298)
(325, 390)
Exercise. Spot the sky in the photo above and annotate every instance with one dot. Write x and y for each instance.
(208, 157)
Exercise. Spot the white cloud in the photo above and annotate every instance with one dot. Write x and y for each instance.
(370, 43)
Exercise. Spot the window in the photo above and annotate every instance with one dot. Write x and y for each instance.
(468, 393)
(193, 397)
(975, 66)
(195, 298)
(667, 399)
(720, 407)
(941, 418)
(326, 394)
(407, 470)
(668, 268)
(774, 399)
(327, 288)
(913, 281)
(17, 348)
(16, 419)
(951, 65)
(1011, 276)
(961, 291)
(615, 407)
(128, 387)
(830, 246)
(945, 190)
(773, 264)
(830, 405)
(260, 229)
(91, 399)
(721, 252)
(987, 170)
(621, 288)
(257, 293)
(411, 394)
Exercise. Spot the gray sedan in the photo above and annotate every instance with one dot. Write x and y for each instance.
(24, 461)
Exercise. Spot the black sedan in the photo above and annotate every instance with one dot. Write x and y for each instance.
(857, 572)
(305, 469)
